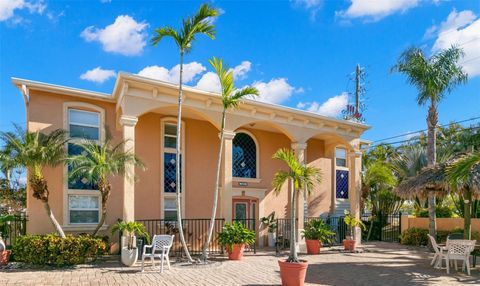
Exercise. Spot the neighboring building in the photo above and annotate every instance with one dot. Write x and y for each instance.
(143, 111)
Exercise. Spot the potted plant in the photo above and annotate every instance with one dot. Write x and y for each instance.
(349, 244)
(302, 178)
(316, 232)
(234, 237)
(4, 253)
(128, 243)
(270, 222)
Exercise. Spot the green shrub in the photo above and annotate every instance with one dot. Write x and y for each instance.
(51, 249)
(441, 212)
(414, 236)
(235, 233)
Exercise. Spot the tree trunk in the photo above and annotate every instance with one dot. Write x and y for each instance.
(293, 257)
(217, 187)
(54, 221)
(432, 121)
(178, 186)
(467, 228)
(104, 188)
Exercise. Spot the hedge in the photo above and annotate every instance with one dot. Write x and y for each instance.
(51, 249)
(414, 236)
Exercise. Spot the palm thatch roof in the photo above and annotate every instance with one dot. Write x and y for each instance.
(430, 179)
(473, 181)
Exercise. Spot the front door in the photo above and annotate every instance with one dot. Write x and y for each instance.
(244, 209)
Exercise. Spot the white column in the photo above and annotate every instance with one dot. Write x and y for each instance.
(355, 189)
(227, 176)
(128, 125)
(299, 149)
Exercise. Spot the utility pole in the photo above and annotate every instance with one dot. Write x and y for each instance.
(357, 89)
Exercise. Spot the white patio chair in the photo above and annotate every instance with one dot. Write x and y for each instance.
(160, 246)
(439, 255)
(460, 249)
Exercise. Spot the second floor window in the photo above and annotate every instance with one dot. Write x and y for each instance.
(341, 157)
(84, 124)
(244, 156)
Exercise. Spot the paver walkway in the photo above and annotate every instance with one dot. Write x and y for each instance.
(380, 264)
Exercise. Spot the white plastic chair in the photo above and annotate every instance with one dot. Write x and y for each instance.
(160, 246)
(439, 255)
(459, 249)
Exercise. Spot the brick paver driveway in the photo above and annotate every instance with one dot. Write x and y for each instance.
(380, 264)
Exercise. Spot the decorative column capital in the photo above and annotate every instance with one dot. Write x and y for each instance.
(126, 120)
(299, 146)
(228, 135)
(355, 153)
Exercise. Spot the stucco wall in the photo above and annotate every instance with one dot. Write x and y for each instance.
(319, 200)
(442, 223)
(46, 113)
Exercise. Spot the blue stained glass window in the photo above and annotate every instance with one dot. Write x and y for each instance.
(342, 184)
(169, 171)
(244, 156)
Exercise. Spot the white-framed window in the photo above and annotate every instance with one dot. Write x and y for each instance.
(82, 198)
(169, 165)
(341, 157)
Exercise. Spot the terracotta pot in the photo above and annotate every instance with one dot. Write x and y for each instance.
(235, 252)
(313, 246)
(5, 257)
(349, 244)
(293, 274)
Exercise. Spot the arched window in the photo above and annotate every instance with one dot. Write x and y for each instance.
(244, 156)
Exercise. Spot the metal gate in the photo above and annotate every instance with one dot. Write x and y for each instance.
(382, 227)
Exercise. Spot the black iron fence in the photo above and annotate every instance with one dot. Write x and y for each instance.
(195, 232)
(12, 228)
(382, 227)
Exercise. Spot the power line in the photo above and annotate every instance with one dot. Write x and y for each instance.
(415, 132)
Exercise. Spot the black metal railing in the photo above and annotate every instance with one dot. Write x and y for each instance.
(382, 227)
(195, 232)
(13, 228)
(283, 234)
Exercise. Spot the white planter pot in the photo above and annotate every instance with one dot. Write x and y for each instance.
(271, 239)
(129, 256)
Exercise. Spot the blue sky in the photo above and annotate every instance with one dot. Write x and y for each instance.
(298, 53)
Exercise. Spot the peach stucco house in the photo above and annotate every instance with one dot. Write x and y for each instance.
(143, 111)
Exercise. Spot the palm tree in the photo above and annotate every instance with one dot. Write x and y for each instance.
(34, 151)
(464, 176)
(231, 98)
(434, 77)
(302, 178)
(97, 163)
(200, 23)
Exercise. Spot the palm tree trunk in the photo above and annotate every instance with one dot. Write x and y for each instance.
(293, 249)
(217, 187)
(179, 184)
(432, 121)
(467, 228)
(104, 188)
(54, 221)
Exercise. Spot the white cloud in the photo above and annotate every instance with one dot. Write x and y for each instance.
(98, 75)
(376, 10)
(125, 36)
(275, 91)
(310, 5)
(332, 107)
(8, 7)
(240, 71)
(461, 29)
(190, 70)
(209, 81)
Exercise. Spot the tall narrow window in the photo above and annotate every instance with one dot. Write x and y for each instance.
(244, 156)
(341, 157)
(169, 169)
(83, 196)
(341, 173)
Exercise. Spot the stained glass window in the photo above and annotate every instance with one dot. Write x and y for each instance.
(342, 184)
(244, 156)
(169, 172)
(78, 183)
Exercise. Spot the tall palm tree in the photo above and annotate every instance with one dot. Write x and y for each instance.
(34, 151)
(200, 23)
(434, 77)
(97, 163)
(464, 176)
(231, 98)
(302, 178)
